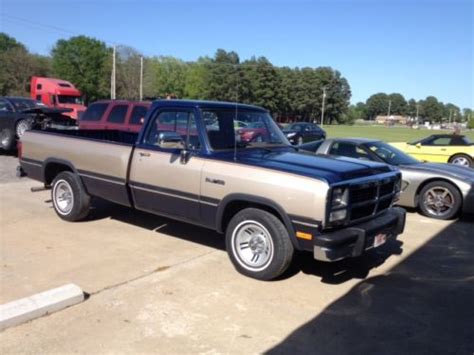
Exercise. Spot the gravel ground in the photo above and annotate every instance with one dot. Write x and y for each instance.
(8, 164)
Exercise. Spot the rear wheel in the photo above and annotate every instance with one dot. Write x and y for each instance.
(462, 159)
(258, 244)
(70, 200)
(440, 200)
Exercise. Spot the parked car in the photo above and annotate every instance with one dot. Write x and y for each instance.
(266, 197)
(57, 93)
(302, 132)
(440, 191)
(441, 148)
(18, 114)
(115, 115)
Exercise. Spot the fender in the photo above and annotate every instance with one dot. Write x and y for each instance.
(61, 162)
(261, 201)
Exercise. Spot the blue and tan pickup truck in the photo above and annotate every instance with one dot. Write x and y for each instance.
(189, 163)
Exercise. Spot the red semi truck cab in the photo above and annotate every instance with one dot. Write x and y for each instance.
(58, 93)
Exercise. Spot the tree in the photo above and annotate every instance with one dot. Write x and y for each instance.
(85, 62)
(377, 104)
(467, 114)
(432, 109)
(452, 112)
(195, 86)
(127, 73)
(398, 104)
(18, 65)
(165, 76)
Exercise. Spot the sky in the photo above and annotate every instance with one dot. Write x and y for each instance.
(415, 47)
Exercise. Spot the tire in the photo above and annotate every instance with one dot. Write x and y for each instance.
(7, 139)
(300, 141)
(22, 126)
(462, 159)
(440, 200)
(70, 200)
(258, 244)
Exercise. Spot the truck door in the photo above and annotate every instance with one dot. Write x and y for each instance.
(160, 180)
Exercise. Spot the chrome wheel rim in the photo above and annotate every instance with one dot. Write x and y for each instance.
(252, 245)
(21, 128)
(63, 197)
(460, 161)
(438, 201)
(4, 139)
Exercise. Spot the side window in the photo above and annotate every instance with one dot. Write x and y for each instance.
(183, 123)
(5, 106)
(441, 141)
(117, 114)
(94, 112)
(138, 114)
(38, 97)
(344, 149)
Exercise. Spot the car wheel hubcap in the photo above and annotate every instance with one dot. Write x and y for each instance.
(438, 201)
(63, 197)
(252, 245)
(21, 129)
(461, 161)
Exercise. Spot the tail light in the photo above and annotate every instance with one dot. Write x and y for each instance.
(19, 147)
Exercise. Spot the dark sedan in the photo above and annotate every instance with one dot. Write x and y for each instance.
(302, 132)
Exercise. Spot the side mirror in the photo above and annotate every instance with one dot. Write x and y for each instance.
(170, 140)
(418, 145)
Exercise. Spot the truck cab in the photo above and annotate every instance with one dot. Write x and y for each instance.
(59, 94)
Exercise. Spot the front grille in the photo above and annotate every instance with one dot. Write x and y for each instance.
(371, 198)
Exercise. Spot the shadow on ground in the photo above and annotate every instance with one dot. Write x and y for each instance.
(330, 273)
(425, 305)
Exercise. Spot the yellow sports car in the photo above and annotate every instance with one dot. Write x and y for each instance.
(441, 148)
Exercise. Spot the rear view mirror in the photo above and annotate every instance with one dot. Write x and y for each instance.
(170, 140)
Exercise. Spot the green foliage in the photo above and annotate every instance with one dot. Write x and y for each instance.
(376, 105)
(470, 123)
(85, 62)
(433, 110)
(398, 104)
(18, 66)
(165, 76)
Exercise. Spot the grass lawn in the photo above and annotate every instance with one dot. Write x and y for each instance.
(387, 134)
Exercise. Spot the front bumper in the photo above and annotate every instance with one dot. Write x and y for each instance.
(354, 240)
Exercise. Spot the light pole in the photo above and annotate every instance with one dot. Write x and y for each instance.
(322, 105)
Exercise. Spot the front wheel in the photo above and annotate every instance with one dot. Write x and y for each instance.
(22, 126)
(258, 244)
(462, 159)
(70, 200)
(440, 200)
(7, 139)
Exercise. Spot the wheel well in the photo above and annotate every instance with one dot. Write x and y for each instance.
(51, 170)
(418, 191)
(234, 207)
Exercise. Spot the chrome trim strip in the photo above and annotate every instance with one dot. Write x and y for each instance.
(30, 163)
(163, 193)
(102, 179)
(305, 224)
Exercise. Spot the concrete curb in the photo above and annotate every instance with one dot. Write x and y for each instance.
(28, 308)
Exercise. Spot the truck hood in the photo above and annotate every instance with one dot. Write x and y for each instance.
(329, 168)
(438, 169)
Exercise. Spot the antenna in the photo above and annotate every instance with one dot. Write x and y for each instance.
(236, 115)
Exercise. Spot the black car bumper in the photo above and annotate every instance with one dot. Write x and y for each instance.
(355, 240)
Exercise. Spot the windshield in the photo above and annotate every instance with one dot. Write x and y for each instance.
(390, 154)
(260, 129)
(67, 99)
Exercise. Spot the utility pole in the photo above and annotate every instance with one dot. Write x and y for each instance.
(141, 78)
(112, 80)
(389, 107)
(417, 112)
(322, 106)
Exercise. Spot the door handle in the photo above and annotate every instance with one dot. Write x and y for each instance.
(144, 154)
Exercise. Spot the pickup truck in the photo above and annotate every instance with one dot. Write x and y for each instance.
(188, 163)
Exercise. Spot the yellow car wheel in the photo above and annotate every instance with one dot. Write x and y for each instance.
(461, 159)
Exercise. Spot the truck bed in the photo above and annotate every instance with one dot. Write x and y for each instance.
(100, 135)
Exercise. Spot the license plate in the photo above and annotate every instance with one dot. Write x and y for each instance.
(380, 239)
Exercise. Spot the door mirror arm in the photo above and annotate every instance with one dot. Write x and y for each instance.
(184, 156)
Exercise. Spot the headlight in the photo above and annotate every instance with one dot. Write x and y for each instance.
(292, 134)
(337, 215)
(340, 197)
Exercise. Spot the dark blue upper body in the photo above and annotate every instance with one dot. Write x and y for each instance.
(283, 158)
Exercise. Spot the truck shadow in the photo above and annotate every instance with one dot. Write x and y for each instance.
(330, 273)
(424, 305)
